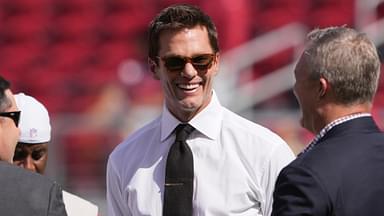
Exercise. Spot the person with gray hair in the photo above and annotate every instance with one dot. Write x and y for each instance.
(340, 171)
(22, 192)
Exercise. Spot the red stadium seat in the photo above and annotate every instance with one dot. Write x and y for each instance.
(18, 55)
(380, 10)
(112, 53)
(127, 18)
(77, 25)
(26, 26)
(277, 13)
(234, 27)
(331, 12)
(70, 55)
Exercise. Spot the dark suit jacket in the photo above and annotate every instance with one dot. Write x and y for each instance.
(343, 175)
(24, 193)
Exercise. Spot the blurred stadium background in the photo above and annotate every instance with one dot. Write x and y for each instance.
(86, 61)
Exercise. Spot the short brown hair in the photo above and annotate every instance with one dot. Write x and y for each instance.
(177, 17)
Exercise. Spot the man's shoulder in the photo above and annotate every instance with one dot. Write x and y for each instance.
(27, 193)
(24, 181)
(342, 145)
(329, 157)
(339, 161)
(137, 139)
(246, 135)
(234, 121)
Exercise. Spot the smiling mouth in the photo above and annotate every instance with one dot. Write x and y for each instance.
(188, 87)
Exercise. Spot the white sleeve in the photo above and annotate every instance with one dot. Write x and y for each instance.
(280, 157)
(116, 204)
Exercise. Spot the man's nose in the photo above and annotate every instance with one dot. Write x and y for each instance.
(189, 71)
(29, 164)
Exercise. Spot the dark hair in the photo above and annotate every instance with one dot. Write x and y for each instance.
(177, 17)
(4, 100)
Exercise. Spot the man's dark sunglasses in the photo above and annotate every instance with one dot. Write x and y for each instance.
(15, 116)
(177, 63)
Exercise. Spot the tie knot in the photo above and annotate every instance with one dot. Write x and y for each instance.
(183, 131)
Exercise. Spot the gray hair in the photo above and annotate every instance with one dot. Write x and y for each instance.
(347, 59)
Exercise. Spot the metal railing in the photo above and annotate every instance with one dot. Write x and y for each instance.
(239, 98)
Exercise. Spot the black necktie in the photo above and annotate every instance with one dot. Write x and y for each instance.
(178, 187)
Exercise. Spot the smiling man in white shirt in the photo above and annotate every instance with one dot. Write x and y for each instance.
(235, 161)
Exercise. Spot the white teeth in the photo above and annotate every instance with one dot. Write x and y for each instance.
(188, 86)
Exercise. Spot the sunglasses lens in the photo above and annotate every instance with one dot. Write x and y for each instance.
(202, 62)
(16, 118)
(174, 63)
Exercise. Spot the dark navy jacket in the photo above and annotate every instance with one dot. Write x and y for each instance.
(343, 175)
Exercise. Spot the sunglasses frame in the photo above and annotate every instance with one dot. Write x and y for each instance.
(186, 60)
(15, 116)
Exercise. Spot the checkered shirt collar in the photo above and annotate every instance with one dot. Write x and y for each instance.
(329, 126)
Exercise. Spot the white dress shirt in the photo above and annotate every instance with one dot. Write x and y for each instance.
(236, 163)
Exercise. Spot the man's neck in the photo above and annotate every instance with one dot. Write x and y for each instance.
(331, 112)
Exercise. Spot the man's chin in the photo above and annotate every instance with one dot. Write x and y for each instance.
(188, 104)
(189, 107)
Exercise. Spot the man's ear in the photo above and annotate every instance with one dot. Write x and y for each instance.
(154, 68)
(216, 63)
(324, 87)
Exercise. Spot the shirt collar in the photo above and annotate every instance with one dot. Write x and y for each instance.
(207, 122)
(331, 125)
